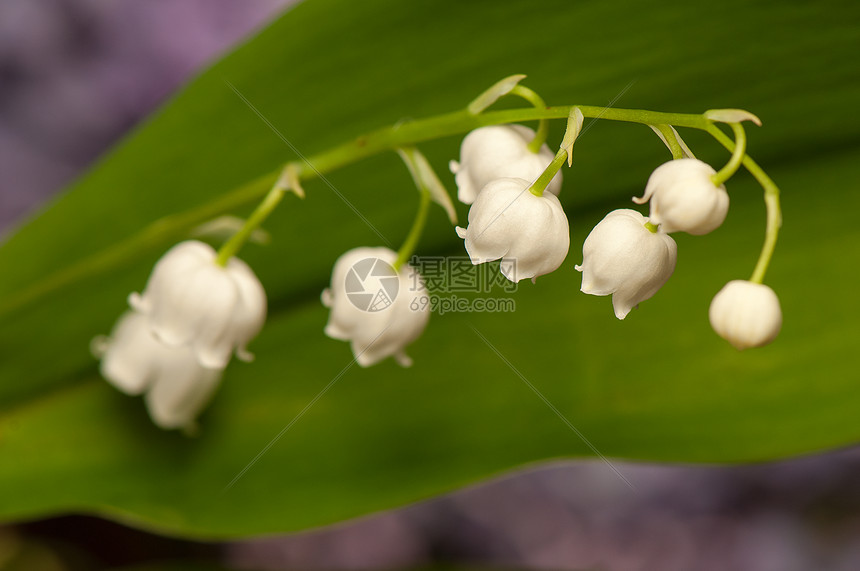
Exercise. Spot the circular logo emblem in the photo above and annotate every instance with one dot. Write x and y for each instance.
(371, 284)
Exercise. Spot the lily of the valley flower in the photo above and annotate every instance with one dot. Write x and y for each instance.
(177, 386)
(378, 310)
(176, 343)
(499, 151)
(746, 314)
(622, 257)
(529, 233)
(684, 197)
(193, 302)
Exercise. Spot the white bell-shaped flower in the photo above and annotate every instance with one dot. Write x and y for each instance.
(134, 361)
(529, 233)
(684, 197)
(746, 314)
(378, 310)
(499, 151)
(623, 258)
(192, 301)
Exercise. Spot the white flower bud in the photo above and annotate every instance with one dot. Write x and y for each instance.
(499, 151)
(529, 233)
(684, 198)
(746, 314)
(191, 301)
(623, 258)
(177, 386)
(378, 310)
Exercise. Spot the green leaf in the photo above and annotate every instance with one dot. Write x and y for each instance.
(657, 386)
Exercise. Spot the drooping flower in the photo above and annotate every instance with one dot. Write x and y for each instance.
(134, 361)
(499, 151)
(529, 233)
(684, 197)
(622, 257)
(746, 314)
(380, 311)
(192, 301)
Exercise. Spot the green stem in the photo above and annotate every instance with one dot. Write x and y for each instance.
(543, 126)
(737, 155)
(232, 246)
(149, 239)
(458, 122)
(771, 200)
(544, 179)
(671, 140)
(651, 227)
(414, 235)
(175, 226)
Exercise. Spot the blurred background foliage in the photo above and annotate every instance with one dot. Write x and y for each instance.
(659, 386)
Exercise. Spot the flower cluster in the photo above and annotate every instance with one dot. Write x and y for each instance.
(200, 307)
(529, 233)
(182, 330)
(626, 255)
(630, 256)
(379, 309)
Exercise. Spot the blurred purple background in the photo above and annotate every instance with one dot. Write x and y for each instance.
(77, 75)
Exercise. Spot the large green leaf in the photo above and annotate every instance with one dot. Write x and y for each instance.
(658, 386)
